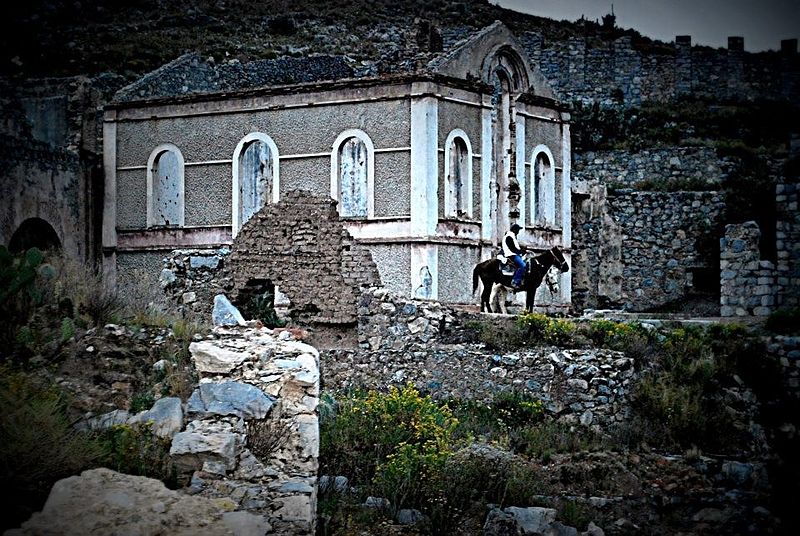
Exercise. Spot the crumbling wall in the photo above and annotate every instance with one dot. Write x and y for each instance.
(405, 341)
(300, 245)
(747, 283)
(787, 234)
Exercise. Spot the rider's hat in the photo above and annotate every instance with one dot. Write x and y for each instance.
(515, 228)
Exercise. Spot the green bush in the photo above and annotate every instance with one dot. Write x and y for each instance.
(136, 450)
(38, 444)
(541, 328)
(540, 441)
(395, 441)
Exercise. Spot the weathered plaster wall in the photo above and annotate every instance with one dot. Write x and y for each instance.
(455, 273)
(307, 130)
(453, 115)
(394, 266)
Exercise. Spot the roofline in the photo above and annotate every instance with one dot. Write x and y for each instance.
(308, 87)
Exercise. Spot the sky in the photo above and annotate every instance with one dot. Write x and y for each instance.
(762, 23)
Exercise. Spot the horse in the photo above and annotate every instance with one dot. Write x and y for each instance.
(499, 294)
(490, 273)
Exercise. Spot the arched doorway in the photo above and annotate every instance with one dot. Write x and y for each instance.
(34, 232)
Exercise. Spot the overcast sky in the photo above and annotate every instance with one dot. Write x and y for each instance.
(762, 23)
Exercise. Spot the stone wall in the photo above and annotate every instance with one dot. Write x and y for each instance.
(192, 277)
(665, 166)
(402, 341)
(642, 250)
(593, 70)
(253, 431)
(787, 233)
(747, 283)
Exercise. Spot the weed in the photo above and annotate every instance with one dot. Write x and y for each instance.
(136, 450)
(266, 436)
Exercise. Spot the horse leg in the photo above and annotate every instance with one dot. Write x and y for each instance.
(493, 297)
(504, 297)
(485, 293)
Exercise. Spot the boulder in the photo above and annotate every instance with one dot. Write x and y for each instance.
(211, 358)
(166, 416)
(190, 450)
(101, 501)
(225, 313)
(229, 398)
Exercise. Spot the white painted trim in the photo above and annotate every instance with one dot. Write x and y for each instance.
(127, 168)
(520, 171)
(540, 117)
(276, 173)
(109, 236)
(566, 190)
(364, 137)
(534, 208)
(468, 179)
(424, 166)
(209, 163)
(462, 101)
(151, 161)
(424, 262)
(487, 201)
(394, 150)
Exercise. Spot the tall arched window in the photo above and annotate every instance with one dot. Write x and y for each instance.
(543, 187)
(458, 175)
(353, 174)
(255, 177)
(165, 187)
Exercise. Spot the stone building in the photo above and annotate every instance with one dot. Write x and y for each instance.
(429, 164)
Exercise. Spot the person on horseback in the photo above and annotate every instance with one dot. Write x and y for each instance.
(513, 252)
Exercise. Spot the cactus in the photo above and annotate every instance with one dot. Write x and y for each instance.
(17, 274)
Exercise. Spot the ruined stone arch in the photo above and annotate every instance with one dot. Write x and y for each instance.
(165, 187)
(505, 59)
(458, 175)
(542, 187)
(254, 184)
(353, 174)
(34, 232)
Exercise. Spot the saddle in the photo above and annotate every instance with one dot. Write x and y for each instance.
(506, 267)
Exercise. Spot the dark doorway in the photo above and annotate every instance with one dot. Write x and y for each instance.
(34, 232)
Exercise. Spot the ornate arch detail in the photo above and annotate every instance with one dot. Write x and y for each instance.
(448, 200)
(535, 196)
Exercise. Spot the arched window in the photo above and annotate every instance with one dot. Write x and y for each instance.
(458, 175)
(165, 187)
(255, 177)
(543, 187)
(353, 174)
(34, 232)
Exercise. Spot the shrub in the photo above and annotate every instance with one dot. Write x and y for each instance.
(266, 436)
(393, 440)
(136, 450)
(539, 327)
(540, 441)
(38, 444)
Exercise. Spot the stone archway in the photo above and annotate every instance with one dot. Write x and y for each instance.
(34, 232)
(300, 245)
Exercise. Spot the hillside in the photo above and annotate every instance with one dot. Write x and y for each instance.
(46, 38)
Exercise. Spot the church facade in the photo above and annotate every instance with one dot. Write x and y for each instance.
(429, 167)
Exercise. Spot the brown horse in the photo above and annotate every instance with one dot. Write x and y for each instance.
(490, 273)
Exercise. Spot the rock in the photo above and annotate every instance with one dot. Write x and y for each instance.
(229, 398)
(339, 484)
(190, 449)
(99, 499)
(225, 314)
(711, 515)
(559, 529)
(593, 530)
(737, 472)
(409, 516)
(166, 416)
(105, 421)
(209, 357)
(376, 502)
(500, 523)
(533, 519)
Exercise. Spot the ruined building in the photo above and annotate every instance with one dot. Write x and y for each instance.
(430, 164)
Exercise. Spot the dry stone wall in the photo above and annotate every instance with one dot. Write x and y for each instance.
(787, 234)
(406, 341)
(592, 70)
(641, 250)
(253, 431)
(747, 283)
(192, 277)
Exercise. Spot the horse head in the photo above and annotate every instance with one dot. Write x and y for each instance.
(551, 279)
(558, 259)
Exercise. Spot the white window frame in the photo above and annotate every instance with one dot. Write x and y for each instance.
(361, 135)
(276, 174)
(151, 162)
(449, 201)
(551, 179)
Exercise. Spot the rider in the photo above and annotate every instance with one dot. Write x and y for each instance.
(513, 252)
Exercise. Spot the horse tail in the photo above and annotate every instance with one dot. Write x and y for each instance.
(475, 279)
